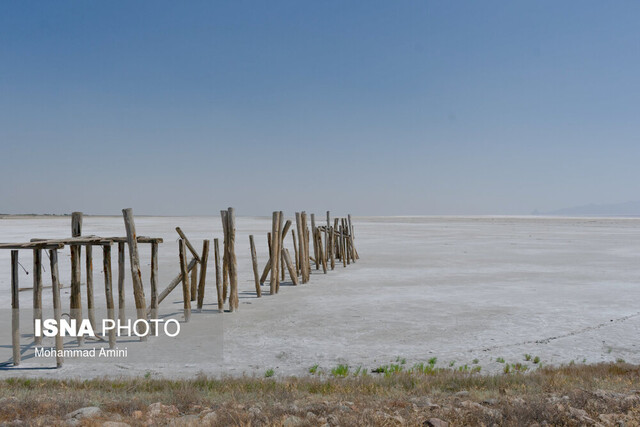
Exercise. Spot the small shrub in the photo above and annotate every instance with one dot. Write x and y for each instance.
(527, 357)
(433, 361)
(536, 359)
(340, 371)
(313, 369)
(500, 360)
(269, 373)
(476, 361)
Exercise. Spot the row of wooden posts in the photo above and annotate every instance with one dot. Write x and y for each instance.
(329, 243)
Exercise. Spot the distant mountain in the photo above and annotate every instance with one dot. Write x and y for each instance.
(614, 209)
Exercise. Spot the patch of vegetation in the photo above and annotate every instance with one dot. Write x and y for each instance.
(269, 373)
(527, 357)
(500, 360)
(340, 371)
(314, 369)
(536, 359)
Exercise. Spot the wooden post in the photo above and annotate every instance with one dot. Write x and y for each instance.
(108, 289)
(233, 264)
(300, 245)
(343, 252)
(332, 252)
(216, 251)
(89, 272)
(76, 299)
(188, 243)
(326, 237)
(283, 234)
(194, 283)
(269, 243)
(121, 276)
(315, 242)
(279, 256)
(134, 260)
(15, 308)
(336, 237)
(254, 261)
(295, 252)
(203, 272)
(275, 254)
(265, 272)
(225, 255)
(175, 282)
(292, 272)
(185, 281)
(57, 309)
(37, 291)
(154, 283)
(323, 259)
(306, 265)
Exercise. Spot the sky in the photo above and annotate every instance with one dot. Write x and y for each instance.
(369, 107)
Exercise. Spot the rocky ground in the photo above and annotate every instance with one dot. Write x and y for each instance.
(604, 394)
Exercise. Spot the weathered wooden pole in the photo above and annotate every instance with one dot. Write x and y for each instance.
(332, 252)
(295, 252)
(336, 230)
(315, 242)
(216, 252)
(269, 241)
(108, 290)
(194, 283)
(265, 272)
(203, 272)
(154, 284)
(275, 253)
(280, 245)
(121, 277)
(57, 307)
(89, 271)
(185, 281)
(254, 262)
(175, 282)
(37, 290)
(300, 246)
(305, 247)
(188, 243)
(292, 272)
(234, 302)
(15, 308)
(323, 259)
(134, 260)
(225, 255)
(76, 299)
(343, 250)
(326, 237)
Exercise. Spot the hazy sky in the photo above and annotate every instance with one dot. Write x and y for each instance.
(396, 107)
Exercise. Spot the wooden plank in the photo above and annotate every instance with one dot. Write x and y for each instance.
(175, 282)
(225, 255)
(15, 308)
(31, 245)
(292, 272)
(203, 272)
(76, 299)
(188, 243)
(57, 306)
(234, 302)
(121, 277)
(37, 291)
(216, 251)
(108, 291)
(154, 285)
(134, 260)
(254, 262)
(89, 272)
(185, 281)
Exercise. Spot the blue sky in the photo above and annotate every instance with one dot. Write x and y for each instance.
(397, 107)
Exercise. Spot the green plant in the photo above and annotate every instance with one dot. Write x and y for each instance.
(269, 373)
(433, 361)
(453, 362)
(500, 360)
(519, 367)
(506, 369)
(536, 359)
(476, 369)
(147, 374)
(401, 360)
(527, 357)
(476, 361)
(313, 369)
(340, 371)
(619, 360)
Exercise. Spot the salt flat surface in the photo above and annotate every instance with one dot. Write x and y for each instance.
(455, 288)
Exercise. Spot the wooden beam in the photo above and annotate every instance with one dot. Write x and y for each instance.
(188, 243)
(37, 291)
(254, 262)
(216, 251)
(287, 260)
(108, 291)
(233, 264)
(203, 273)
(15, 308)
(121, 277)
(175, 282)
(154, 285)
(76, 291)
(185, 281)
(89, 272)
(57, 307)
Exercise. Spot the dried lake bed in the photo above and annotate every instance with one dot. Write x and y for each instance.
(466, 290)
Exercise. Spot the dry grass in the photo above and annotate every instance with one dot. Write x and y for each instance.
(554, 395)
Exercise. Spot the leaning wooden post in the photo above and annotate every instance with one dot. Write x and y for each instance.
(185, 281)
(323, 259)
(108, 290)
(203, 272)
(254, 261)
(121, 276)
(336, 229)
(295, 252)
(332, 252)
(15, 308)
(194, 283)
(275, 254)
(154, 284)
(57, 309)
(287, 260)
(134, 260)
(269, 243)
(76, 299)
(37, 291)
(90, 304)
(233, 263)
(283, 233)
(216, 251)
